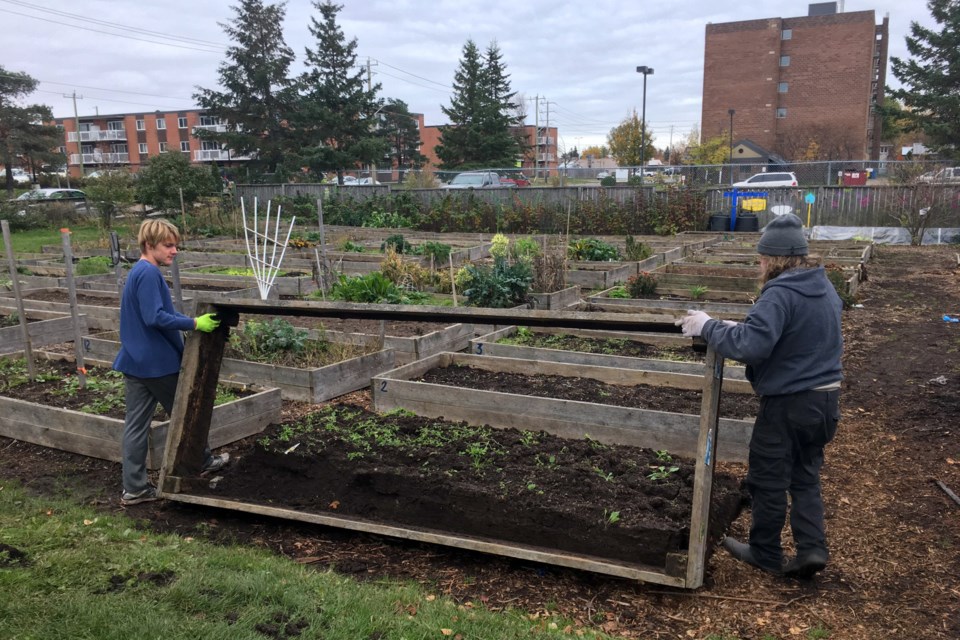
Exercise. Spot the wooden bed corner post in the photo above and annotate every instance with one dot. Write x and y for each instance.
(703, 475)
(193, 407)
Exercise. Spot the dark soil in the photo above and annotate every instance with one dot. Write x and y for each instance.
(396, 328)
(63, 296)
(609, 346)
(894, 534)
(641, 396)
(535, 489)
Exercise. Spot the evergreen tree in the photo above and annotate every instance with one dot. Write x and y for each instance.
(402, 132)
(931, 78)
(24, 139)
(334, 121)
(480, 112)
(256, 99)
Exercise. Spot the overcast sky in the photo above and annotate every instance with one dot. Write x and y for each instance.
(579, 57)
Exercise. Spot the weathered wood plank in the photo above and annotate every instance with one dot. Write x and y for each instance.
(534, 554)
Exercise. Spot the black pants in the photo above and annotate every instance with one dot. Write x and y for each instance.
(786, 454)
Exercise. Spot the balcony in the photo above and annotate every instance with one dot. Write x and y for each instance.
(98, 135)
(546, 140)
(546, 157)
(101, 158)
(218, 128)
(216, 155)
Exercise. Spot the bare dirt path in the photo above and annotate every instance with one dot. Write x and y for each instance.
(894, 534)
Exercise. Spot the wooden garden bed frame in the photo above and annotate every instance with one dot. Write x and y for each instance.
(101, 437)
(202, 360)
(44, 328)
(735, 379)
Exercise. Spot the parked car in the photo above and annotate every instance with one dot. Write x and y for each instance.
(369, 181)
(476, 180)
(45, 195)
(603, 174)
(19, 176)
(770, 179)
(947, 175)
(350, 181)
(514, 179)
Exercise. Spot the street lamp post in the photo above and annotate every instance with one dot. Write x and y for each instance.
(731, 112)
(646, 71)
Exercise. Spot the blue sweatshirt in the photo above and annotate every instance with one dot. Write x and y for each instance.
(150, 342)
(791, 339)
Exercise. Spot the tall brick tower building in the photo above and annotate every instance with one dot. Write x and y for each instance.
(797, 85)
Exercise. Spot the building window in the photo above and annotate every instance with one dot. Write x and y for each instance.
(782, 112)
(210, 121)
(119, 147)
(63, 150)
(161, 123)
(782, 87)
(786, 34)
(115, 125)
(784, 61)
(182, 123)
(143, 148)
(163, 147)
(141, 125)
(185, 146)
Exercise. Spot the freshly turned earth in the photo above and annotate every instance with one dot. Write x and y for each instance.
(503, 484)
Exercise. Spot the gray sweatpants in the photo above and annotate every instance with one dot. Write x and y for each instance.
(142, 396)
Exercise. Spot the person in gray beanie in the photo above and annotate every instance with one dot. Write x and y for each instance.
(791, 342)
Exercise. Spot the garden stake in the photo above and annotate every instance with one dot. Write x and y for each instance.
(14, 277)
(947, 490)
(263, 270)
(72, 292)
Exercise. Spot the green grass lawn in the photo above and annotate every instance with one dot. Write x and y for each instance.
(69, 571)
(81, 236)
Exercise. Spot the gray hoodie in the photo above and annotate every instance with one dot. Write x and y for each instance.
(791, 339)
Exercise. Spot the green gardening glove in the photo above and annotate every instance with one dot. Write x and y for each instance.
(206, 323)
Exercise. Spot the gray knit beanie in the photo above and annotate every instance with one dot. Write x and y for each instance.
(783, 236)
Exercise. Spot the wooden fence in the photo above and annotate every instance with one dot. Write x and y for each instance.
(867, 206)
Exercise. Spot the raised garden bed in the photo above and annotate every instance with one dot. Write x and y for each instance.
(583, 347)
(313, 384)
(409, 388)
(42, 422)
(101, 308)
(483, 486)
(56, 328)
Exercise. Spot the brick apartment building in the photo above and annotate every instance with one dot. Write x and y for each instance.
(541, 158)
(127, 140)
(793, 81)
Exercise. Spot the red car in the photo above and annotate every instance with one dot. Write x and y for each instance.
(518, 180)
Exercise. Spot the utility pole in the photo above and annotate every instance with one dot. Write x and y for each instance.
(536, 137)
(373, 165)
(547, 137)
(76, 122)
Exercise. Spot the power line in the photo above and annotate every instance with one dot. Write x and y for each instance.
(119, 35)
(440, 84)
(116, 24)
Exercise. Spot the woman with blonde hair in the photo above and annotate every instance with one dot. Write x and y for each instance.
(791, 343)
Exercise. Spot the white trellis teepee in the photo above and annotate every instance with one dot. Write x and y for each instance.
(263, 252)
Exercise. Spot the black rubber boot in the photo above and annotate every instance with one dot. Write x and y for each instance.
(744, 553)
(805, 566)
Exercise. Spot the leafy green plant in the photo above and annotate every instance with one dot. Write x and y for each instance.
(350, 246)
(92, 265)
(637, 251)
(618, 291)
(373, 287)
(606, 475)
(398, 243)
(608, 181)
(697, 291)
(662, 472)
(838, 279)
(593, 250)
(501, 286)
(265, 341)
(439, 251)
(611, 517)
(387, 220)
(499, 246)
(664, 456)
(525, 249)
(642, 285)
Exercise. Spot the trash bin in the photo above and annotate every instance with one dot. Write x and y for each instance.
(719, 222)
(746, 222)
(853, 178)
